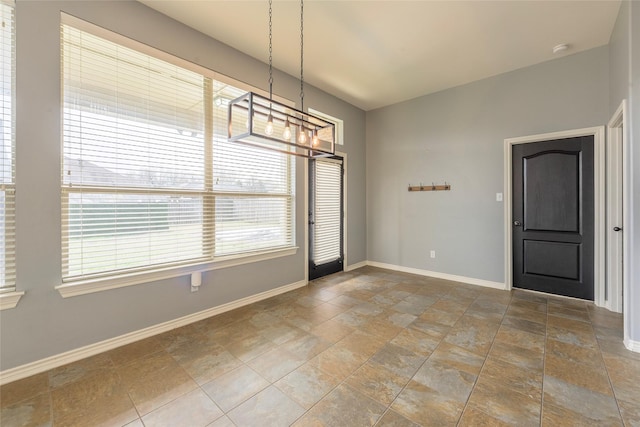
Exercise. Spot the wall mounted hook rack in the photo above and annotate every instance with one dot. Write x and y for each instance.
(432, 187)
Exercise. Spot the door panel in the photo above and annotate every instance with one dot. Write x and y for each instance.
(553, 216)
(325, 217)
(552, 191)
(552, 259)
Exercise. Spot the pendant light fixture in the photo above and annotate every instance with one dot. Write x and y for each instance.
(262, 122)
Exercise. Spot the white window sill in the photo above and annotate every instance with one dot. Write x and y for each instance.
(88, 286)
(10, 300)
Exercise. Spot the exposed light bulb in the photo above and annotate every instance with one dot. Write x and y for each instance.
(315, 141)
(269, 128)
(287, 131)
(302, 137)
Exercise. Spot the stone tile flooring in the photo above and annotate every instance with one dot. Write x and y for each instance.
(369, 347)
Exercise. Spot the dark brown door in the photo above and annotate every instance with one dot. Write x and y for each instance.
(553, 223)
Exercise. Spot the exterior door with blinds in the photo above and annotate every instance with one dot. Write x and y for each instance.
(326, 254)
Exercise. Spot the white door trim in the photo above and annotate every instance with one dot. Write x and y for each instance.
(618, 149)
(306, 220)
(598, 134)
(617, 206)
(345, 263)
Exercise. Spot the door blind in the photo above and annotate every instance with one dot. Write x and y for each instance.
(7, 163)
(327, 215)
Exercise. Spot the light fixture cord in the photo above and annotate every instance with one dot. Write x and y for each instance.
(270, 51)
(301, 55)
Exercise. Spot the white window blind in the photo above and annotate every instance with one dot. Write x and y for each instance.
(7, 164)
(327, 215)
(253, 188)
(149, 179)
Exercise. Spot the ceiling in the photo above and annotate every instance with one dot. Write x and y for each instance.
(376, 53)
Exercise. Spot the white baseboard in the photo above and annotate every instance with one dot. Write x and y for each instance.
(57, 360)
(437, 275)
(632, 345)
(355, 266)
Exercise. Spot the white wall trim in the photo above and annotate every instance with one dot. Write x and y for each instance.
(437, 275)
(344, 208)
(106, 283)
(632, 345)
(57, 360)
(306, 220)
(10, 300)
(619, 120)
(598, 134)
(355, 266)
(617, 214)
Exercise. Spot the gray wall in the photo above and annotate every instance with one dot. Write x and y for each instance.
(619, 57)
(458, 135)
(44, 323)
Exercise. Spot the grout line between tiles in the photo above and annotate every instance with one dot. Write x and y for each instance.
(464, 408)
(544, 364)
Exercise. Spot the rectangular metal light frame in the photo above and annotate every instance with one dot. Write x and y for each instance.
(247, 120)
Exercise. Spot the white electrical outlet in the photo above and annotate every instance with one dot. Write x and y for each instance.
(196, 281)
(498, 197)
(432, 254)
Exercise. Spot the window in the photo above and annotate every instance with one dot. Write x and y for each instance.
(253, 207)
(149, 179)
(339, 124)
(7, 143)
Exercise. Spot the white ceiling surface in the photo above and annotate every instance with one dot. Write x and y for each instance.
(376, 53)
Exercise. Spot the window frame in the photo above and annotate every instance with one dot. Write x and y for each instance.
(338, 123)
(72, 286)
(9, 297)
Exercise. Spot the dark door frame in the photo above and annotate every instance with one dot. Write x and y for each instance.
(598, 134)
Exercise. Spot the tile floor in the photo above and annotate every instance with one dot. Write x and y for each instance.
(369, 347)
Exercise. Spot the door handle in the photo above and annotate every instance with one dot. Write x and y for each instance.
(617, 229)
(517, 223)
